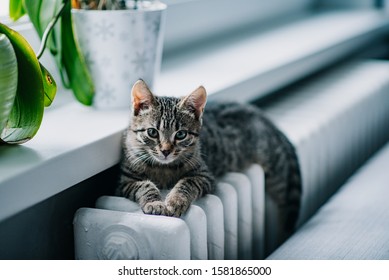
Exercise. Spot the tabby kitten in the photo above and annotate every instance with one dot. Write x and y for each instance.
(173, 144)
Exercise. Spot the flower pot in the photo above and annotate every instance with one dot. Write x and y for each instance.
(120, 47)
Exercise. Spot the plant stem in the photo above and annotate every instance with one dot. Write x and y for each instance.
(50, 27)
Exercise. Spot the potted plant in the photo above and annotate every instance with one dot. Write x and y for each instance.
(121, 42)
(55, 15)
(26, 87)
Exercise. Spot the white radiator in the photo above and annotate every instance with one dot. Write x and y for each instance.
(226, 225)
(335, 121)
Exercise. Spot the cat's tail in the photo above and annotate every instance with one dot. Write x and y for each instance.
(291, 197)
(294, 191)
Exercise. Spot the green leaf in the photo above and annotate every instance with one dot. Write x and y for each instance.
(74, 62)
(63, 46)
(8, 79)
(49, 86)
(16, 9)
(26, 115)
(32, 8)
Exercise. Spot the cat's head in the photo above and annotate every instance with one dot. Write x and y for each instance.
(164, 130)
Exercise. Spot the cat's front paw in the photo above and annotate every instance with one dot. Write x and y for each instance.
(155, 208)
(177, 205)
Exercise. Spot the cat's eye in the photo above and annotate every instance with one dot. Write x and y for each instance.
(181, 134)
(152, 132)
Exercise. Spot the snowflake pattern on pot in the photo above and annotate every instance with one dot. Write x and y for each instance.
(140, 62)
(106, 96)
(119, 48)
(155, 26)
(104, 30)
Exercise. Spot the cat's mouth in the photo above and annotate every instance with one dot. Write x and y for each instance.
(165, 159)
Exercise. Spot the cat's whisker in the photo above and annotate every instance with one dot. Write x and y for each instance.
(135, 159)
(192, 161)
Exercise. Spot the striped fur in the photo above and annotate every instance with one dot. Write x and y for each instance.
(236, 135)
(226, 137)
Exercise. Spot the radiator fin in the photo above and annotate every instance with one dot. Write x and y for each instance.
(220, 226)
(335, 122)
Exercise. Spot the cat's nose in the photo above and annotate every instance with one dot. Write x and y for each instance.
(166, 152)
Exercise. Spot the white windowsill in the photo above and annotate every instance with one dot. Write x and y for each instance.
(76, 142)
(256, 64)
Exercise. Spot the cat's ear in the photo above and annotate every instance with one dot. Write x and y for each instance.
(142, 98)
(195, 101)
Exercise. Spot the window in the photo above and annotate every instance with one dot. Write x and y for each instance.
(4, 7)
